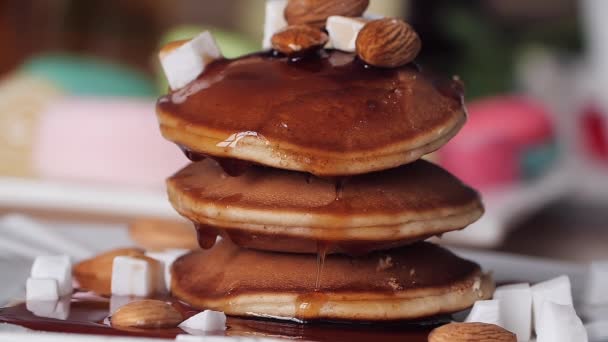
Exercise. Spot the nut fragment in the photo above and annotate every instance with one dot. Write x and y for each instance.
(95, 274)
(298, 39)
(146, 314)
(316, 12)
(471, 332)
(388, 43)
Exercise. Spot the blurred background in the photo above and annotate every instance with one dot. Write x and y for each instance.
(79, 140)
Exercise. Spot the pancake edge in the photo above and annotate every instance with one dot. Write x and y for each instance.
(283, 155)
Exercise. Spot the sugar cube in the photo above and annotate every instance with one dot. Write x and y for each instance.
(559, 323)
(516, 309)
(58, 267)
(557, 290)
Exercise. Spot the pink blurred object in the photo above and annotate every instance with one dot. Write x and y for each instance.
(108, 141)
(487, 151)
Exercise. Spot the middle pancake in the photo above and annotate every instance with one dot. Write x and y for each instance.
(288, 211)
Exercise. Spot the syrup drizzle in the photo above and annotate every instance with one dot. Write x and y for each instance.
(322, 248)
(340, 184)
(206, 235)
(309, 305)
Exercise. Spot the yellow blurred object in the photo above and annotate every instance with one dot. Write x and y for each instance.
(22, 98)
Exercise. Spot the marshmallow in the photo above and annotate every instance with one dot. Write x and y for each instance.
(597, 283)
(58, 309)
(136, 276)
(193, 338)
(516, 309)
(343, 32)
(184, 63)
(166, 259)
(204, 322)
(559, 323)
(556, 290)
(38, 289)
(485, 311)
(54, 267)
(597, 331)
(274, 20)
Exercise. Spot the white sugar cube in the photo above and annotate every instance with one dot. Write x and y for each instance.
(136, 276)
(559, 323)
(205, 321)
(39, 289)
(343, 32)
(556, 290)
(597, 283)
(597, 330)
(58, 309)
(58, 267)
(185, 63)
(516, 309)
(485, 311)
(166, 258)
(274, 20)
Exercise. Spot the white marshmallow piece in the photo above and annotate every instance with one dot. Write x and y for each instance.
(205, 321)
(597, 283)
(58, 267)
(485, 311)
(597, 331)
(39, 289)
(559, 323)
(516, 309)
(185, 63)
(274, 20)
(133, 276)
(343, 32)
(166, 259)
(58, 309)
(556, 290)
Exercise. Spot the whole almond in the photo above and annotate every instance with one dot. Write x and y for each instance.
(146, 314)
(471, 332)
(298, 39)
(95, 274)
(316, 12)
(387, 43)
(157, 234)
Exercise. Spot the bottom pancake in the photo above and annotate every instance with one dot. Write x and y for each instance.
(411, 282)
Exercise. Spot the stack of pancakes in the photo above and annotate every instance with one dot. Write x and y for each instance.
(309, 170)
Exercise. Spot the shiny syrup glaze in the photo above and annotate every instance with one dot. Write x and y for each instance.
(88, 315)
(330, 101)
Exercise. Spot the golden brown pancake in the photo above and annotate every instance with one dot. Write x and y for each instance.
(328, 114)
(290, 211)
(411, 282)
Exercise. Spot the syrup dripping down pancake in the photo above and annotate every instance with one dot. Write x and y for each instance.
(288, 211)
(411, 282)
(328, 114)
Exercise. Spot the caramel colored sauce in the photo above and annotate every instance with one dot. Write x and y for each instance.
(310, 304)
(206, 235)
(89, 313)
(322, 248)
(330, 101)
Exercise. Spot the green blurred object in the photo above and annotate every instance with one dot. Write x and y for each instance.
(89, 76)
(231, 44)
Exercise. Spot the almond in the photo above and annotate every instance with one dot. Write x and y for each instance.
(95, 274)
(471, 332)
(316, 12)
(298, 39)
(146, 314)
(388, 43)
(157, 234)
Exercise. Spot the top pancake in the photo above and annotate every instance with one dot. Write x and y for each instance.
(327, 114)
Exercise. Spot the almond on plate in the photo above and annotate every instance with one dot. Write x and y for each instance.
(95, 274)
(146, 314)
(471, 332)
